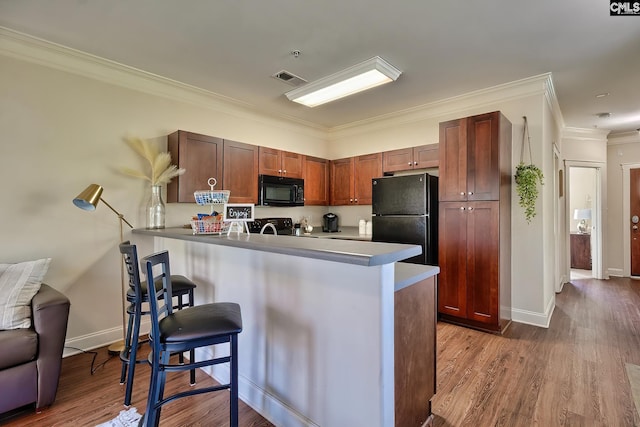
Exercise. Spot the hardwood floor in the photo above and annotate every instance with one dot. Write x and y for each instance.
(572, 374)
(85, 400)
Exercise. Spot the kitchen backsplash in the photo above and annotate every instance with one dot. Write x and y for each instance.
(179, 214)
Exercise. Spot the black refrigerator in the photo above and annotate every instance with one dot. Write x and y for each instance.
(405, 210)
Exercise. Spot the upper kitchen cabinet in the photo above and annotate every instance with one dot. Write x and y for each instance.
(472, 155)
(316, 181)
(241, 171)
(422, 157)
(351, 179)
(280, 163)
(201, 156)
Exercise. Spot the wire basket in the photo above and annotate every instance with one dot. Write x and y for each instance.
(211, 197)
(209, 226)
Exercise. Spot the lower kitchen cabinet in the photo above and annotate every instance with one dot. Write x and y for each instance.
(474, 286)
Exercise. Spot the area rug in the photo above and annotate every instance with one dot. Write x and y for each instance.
(633, 373)
(128, 418)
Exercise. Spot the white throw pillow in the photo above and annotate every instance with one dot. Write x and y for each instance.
(18, 284)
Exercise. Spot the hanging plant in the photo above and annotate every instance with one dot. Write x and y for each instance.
(527, 178)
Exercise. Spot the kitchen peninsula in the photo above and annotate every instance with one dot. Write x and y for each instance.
(336, 332)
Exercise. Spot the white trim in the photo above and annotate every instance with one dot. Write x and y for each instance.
(99, 339)
(42, 52)
(535, 318)
(32, 49)
(615, 272)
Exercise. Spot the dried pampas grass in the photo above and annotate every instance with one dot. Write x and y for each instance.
(162, 171)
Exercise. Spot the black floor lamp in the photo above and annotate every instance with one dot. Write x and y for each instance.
(88, 200)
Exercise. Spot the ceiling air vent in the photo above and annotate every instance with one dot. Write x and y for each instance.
(289, 78)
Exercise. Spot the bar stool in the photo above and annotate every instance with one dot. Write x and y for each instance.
(185, 330)
(137, 294)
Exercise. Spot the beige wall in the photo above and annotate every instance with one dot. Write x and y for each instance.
(63, 131)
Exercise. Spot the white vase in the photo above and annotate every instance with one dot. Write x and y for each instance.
(156, 211)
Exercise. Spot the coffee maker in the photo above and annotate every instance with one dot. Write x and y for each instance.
(330, 223)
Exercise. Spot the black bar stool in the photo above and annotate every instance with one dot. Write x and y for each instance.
(136, 296)
(185, 330)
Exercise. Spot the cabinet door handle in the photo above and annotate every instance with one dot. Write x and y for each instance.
(355, 201)
(470, 208)
(415, 163)
(461, 208)
(284, 171)
(279, 170)
(350, 200)
(470, 192)
(462, 193)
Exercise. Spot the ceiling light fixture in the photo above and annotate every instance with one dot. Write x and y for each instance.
(363, 76)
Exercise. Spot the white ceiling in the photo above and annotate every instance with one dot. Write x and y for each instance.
(444, 48)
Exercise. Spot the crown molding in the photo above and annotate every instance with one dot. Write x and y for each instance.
(479, 99)
(632, 137)
(583, 134)
(42, 52)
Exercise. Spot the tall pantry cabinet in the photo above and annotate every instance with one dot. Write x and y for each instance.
(474, 285)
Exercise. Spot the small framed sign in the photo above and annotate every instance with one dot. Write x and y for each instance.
(238, 212)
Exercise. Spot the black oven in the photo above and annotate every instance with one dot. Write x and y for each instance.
(280, 191)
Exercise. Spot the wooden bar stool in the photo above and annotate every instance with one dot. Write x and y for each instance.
(185, 330)
(136, 296)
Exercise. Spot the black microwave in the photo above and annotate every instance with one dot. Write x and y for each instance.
(280, 191)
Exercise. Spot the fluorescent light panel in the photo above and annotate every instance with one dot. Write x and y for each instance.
(363, 76)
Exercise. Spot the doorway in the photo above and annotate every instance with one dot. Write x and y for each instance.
(584, 220)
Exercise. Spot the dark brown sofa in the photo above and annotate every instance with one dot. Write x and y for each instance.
(30, 359)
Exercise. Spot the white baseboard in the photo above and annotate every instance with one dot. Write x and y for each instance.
(263, 402)
(98, 339)
(616, 272)
(541, 320)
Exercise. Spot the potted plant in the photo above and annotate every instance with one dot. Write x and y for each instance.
(527, 178)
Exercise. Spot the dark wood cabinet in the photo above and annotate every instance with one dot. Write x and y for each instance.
(280, 163)
(201, 156)
(240, 171)
(580, 251)
(351, 179)
(424, 156)
(316, 181)
(415, 353)
(474, 287)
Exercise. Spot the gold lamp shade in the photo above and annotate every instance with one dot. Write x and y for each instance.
(89, 198)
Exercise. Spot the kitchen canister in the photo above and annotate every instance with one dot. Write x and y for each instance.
(368, 227)
(362, 227)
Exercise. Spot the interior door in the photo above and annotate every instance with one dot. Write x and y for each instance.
(634, 220)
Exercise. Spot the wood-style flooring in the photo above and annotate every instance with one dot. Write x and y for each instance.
(572, 374)
(85, 400)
